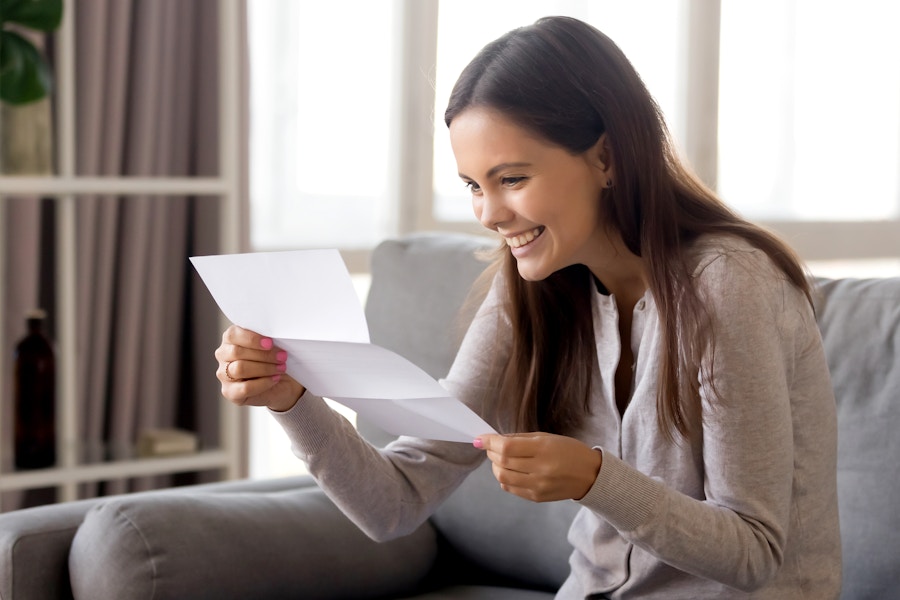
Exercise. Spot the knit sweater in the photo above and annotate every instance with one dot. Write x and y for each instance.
(745, 507)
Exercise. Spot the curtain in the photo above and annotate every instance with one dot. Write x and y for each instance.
(146, 105)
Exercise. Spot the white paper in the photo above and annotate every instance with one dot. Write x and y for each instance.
(305, 301)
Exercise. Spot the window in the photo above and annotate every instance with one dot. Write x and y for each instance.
(321, 96)
(348, 98)
(809, 128)
(809, 112)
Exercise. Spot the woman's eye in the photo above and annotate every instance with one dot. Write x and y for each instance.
(512, 181)
(473, 187)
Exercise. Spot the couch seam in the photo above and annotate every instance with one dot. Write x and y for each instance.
(155, 574)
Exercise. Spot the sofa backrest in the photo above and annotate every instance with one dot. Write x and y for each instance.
(860, 324)
(422, 280)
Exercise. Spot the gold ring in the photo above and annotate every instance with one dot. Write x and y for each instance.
(227, 374)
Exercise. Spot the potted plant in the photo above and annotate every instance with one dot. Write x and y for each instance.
(25, 84)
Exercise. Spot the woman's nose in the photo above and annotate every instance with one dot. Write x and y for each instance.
(491, 211)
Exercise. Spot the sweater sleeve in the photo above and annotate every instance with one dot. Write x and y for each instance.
(389, 492)
(737, 533)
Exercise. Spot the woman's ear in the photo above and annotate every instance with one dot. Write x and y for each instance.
(601, 159)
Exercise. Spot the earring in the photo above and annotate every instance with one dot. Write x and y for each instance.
(609, 183)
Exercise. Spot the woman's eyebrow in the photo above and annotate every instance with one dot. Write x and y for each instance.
(495, 169)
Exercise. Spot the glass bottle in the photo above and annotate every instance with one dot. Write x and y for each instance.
(35, 397)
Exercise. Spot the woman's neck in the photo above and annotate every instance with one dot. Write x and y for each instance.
(620, 272)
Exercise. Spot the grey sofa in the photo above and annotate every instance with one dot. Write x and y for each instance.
(283, 539)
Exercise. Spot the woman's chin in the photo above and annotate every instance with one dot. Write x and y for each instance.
(530, 273)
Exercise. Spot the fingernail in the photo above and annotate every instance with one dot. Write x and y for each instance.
(276, 378)
(282, 367)
(281, 356)
(266, 343)
(478, 443)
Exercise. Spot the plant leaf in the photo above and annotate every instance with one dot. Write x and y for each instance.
(43, 15)
(24, 75)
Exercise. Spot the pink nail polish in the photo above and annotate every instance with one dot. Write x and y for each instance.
(478, 443)
(276, 378)
(282, 367)
(266, 343)
(281, 356)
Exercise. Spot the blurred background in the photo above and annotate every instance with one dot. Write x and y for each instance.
(184, 127)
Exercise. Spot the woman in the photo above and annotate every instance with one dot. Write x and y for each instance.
(646, 352)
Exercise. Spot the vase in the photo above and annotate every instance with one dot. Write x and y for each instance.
(26, 138)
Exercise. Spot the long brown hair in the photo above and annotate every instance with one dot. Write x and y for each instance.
(568, 83)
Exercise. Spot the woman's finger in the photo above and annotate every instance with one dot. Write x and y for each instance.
(242, 369)
(245, 345)
(239, 336)
(228, 352)
(249, 392)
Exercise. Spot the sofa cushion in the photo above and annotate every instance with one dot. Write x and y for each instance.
(472, 592)
(507, 536)
(292, 544)
(860, 324)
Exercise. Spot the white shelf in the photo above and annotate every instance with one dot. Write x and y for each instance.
(67, 186)
(74, 185)
(138, 467)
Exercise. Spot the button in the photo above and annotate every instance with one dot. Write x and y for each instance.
(641, 304)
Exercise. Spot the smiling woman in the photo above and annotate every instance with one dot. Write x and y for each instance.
(638, 341)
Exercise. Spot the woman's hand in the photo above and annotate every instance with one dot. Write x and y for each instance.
(252, 371)
(542, 467)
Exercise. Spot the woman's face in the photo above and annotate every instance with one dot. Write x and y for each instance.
(541, 198)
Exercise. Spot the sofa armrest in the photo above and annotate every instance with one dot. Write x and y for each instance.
(35, 542)
(293, 544)
(34, 550)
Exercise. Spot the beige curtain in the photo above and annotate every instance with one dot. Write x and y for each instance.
(147, 100)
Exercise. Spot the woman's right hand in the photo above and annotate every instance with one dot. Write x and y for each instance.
(252, 371)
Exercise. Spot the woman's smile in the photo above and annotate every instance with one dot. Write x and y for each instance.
(523, 239)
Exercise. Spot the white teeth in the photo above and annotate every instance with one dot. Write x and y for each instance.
(524, 238)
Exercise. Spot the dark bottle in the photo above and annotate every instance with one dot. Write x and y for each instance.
(35, 397)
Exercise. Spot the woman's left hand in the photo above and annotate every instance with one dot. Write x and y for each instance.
(542, 467)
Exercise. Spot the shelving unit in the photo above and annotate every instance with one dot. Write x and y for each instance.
(229, 457)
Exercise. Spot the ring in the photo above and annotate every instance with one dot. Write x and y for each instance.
(227, 374)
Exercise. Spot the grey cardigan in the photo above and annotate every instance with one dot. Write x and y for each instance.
(746, 507)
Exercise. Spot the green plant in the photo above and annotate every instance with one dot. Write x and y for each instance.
(24, 73)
